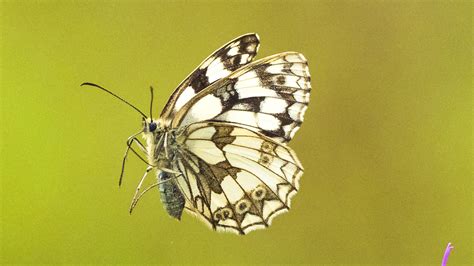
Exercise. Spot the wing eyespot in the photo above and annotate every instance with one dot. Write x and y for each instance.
(243, 206)
(259, 193)
(223, 214)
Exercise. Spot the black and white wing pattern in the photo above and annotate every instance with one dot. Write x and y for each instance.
(218, 65)
(235, 179)
(269, 95)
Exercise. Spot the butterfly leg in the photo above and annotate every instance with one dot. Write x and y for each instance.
(134, 200)
(130, 141)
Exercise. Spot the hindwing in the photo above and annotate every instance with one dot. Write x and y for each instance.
(235, 179)
(218, 65)
(269, 96)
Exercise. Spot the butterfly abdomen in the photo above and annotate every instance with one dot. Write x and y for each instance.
(171, 196)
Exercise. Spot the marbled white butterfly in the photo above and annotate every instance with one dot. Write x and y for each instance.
(219, 146)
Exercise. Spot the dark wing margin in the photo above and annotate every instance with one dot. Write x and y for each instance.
(218, 65)
(240, 180)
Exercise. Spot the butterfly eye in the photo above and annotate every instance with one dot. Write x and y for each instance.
(152, 126)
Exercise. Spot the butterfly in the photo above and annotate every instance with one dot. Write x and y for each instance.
(219, 147)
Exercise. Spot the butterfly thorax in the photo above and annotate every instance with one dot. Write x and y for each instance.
(161, 146)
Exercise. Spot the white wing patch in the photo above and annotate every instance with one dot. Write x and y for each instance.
(185, 96)
(243, 179)
(208, 106)
(269, 95)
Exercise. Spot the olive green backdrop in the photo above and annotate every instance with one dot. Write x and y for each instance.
(386, 144)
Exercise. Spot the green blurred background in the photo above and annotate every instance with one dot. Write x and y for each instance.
(386, 144)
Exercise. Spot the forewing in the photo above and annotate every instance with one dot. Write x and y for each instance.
(269, 96)
(218, 65)
(239, 180)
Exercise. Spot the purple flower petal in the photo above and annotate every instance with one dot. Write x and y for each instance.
(446, 254)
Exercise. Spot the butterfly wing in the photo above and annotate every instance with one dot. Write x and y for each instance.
(236, 179)
(234, 118)
(269, 95)
(218, 65)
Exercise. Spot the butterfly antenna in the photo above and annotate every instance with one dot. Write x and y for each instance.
(115, 95)
(151, 103)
